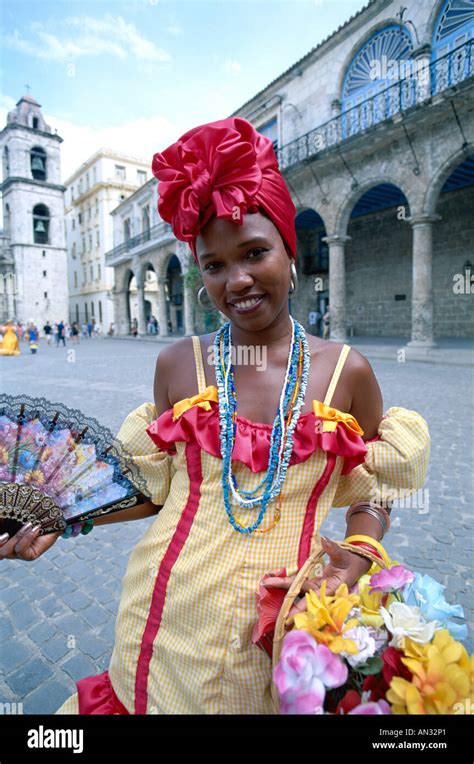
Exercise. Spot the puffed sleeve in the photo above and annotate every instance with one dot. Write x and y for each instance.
(154, 465)
(396, 463)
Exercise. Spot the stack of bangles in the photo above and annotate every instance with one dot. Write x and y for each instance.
(380, 513)
(78, 528)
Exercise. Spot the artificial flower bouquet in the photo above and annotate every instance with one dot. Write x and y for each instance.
(386, 646)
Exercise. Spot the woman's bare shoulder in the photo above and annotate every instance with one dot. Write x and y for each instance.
(176, 364)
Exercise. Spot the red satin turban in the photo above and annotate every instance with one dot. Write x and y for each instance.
(224, 168)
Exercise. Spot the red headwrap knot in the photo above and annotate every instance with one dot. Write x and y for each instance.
(224, 168)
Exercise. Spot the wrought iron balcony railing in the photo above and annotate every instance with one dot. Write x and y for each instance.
(154, 234)
(425, 82)
(446, 72)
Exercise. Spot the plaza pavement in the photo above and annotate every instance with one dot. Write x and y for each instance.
(58, 613)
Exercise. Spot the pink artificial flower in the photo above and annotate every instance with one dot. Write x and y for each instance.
(269, 602)
(380, 707)
(391, 580)
(303, 673)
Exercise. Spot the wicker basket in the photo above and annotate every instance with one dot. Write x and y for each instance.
(303, 574)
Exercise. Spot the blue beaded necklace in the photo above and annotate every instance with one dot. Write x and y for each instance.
(281, 442)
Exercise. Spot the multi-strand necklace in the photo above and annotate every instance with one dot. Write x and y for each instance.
(281, 442)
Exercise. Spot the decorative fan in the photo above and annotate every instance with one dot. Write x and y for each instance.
(59, 467)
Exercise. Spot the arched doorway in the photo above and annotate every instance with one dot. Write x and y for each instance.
(379, 263)
(150, 283)
(174, 296)
(312, 268)
(453, 260)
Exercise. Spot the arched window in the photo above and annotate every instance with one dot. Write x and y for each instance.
(35, 122)
(378, 64)
(453, 44)
(270, 130)
(454, 26)
(368, 95)
(41, 224)
(38, 163)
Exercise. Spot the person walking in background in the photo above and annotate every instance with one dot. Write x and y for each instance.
(134, 327)
(89, 329)
(9, 344)
(75, 332)
(48, 332)
(111, 329)
(33, 338)
(60, 334)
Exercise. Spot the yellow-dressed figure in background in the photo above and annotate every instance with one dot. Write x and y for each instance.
(9, 345)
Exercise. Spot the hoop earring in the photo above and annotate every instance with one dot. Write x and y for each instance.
(294, 279)
(210, 305)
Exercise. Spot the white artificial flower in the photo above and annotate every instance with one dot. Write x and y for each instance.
(365, 645)
(406, 621)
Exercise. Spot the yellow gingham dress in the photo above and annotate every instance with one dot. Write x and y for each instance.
(188, 606)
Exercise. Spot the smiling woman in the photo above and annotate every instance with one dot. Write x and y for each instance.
(242, 494)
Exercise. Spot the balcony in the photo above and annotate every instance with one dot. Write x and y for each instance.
(444, 73)
(153, 236)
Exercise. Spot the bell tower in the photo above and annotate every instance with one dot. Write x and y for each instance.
(33, 215)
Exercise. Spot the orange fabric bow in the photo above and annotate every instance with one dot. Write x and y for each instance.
(331, 417)
(201, 399)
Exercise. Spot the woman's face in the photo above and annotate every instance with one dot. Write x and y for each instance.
(240, 261)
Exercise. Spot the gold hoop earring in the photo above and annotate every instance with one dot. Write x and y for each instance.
(294, 279)
(210, 305)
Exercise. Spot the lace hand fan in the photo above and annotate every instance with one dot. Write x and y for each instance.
(59, 467)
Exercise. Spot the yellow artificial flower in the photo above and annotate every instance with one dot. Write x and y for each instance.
(3, 455)
(325, 618)
(441, 679)
(370, 603)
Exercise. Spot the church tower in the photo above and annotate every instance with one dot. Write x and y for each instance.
(33, 215)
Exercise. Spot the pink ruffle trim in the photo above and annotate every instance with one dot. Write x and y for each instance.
(252, 441)
(96, 696)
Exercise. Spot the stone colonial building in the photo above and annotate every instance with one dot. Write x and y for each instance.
(374, 132)
(92, 192)
(33, 263)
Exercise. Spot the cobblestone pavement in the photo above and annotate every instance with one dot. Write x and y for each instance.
(58, 613)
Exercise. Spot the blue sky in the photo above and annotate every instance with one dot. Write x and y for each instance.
(135, 75)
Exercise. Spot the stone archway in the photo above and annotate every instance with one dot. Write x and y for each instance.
(312, 268)
(450, 201)
(370, 236)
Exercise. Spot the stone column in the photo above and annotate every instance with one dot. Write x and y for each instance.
(337, 286)
(162, 312)
(422, 286)
(421, 59)
(141, 309)
(121, 319)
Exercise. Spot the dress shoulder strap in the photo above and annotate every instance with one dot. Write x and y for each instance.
(201, 377)
(336, 374)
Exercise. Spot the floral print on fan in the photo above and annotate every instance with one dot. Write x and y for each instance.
(68, 472)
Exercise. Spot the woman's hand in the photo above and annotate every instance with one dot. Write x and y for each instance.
(26, 545)
(343, 568)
